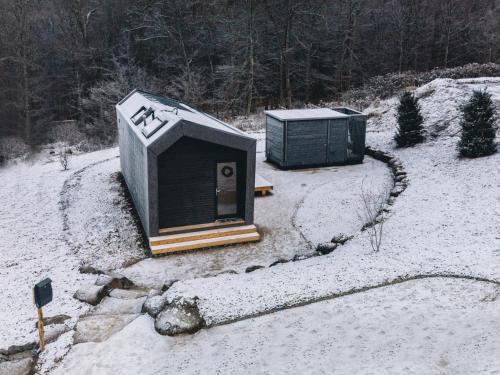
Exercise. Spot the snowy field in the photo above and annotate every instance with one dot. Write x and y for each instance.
(78, 217)
(435, 326)
(447, 222)
(33, 244)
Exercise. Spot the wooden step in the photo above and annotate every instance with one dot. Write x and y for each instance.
(206, 242)
(201, 235)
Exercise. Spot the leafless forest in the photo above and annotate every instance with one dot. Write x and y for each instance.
(64, 60)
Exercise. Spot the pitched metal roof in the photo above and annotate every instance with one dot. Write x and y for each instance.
(305, 114)
(151, 116)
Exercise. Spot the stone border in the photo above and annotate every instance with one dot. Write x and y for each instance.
(399, 178)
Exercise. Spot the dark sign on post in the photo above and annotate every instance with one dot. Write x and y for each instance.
(43, 292)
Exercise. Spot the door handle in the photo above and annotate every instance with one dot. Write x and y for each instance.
(217, 191)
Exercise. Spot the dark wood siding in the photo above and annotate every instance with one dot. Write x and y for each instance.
(187, 181)
(306, 142)
(337, 141)
(357, 135)
(274, 140)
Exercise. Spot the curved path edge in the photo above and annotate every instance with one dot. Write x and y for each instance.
(396, 281)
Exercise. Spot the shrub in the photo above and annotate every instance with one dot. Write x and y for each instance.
(410, 129)
(478, 126)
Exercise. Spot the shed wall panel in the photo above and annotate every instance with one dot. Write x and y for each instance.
(337, 141)
(133, 162)
(274, 140)
(306, 142)
(357, 135)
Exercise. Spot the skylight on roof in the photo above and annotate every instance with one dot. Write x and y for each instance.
(153, 127)
(143, 115)
(137, 117)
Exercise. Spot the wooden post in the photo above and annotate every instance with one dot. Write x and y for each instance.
(41, 331)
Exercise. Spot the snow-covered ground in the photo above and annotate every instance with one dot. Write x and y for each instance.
(306, 207)
(32, 246)
(76, 217)
(446, 222)
(434, 326)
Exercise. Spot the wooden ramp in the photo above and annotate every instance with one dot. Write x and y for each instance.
(262, 186)
(203, 239)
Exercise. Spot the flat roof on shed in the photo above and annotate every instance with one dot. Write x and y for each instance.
(305, 114)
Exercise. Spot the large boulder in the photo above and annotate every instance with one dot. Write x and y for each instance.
(91, 294)
(181, 316)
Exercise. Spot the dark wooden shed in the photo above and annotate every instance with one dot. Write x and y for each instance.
(299, 138)
(191, 176)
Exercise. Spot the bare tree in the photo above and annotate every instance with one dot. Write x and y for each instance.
(372, 213)
(64, 155)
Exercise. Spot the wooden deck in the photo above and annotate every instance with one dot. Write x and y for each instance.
(203, 239)
(262, 186)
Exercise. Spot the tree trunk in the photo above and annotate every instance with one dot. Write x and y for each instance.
(27, 105)
(250, 79)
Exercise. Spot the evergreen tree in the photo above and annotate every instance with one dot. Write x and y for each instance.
(410, 129)
(478, 126)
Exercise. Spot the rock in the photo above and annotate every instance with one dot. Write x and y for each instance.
(103, 280)
(227, 272)
(3, 358)
(56, 319)
(397, 191)
(89, 269)
(53, 332)
(21, 367)
(181, 316)
(92, 294)
(97, 328)
(253, 268)
(168, 284)
(114, 306)
(15, 349)
(119, 281)
(155, 304)
(326, 247)
(341, 238)
(279, 261)
(128, 293)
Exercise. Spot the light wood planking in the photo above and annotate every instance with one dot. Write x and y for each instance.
(200, 235)
(214, 224)
(205, 243)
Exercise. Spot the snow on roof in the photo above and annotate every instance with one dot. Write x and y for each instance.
(305, 114)
(152, 116)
